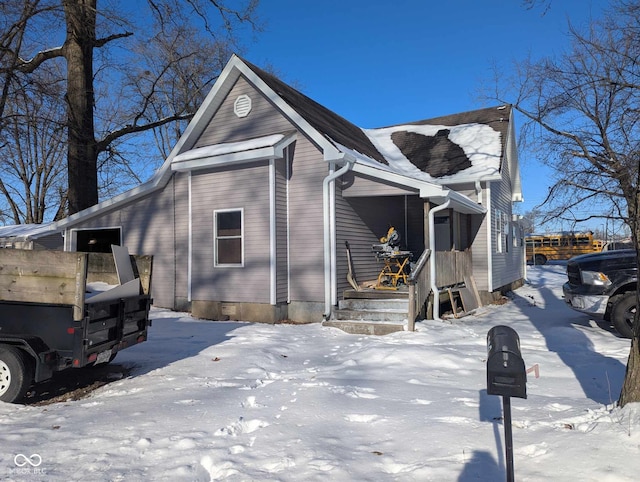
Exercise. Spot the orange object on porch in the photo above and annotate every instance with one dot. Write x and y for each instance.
(396, 269)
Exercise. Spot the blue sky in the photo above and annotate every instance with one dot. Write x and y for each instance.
(382, 62)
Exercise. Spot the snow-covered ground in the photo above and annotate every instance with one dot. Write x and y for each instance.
(238, 401)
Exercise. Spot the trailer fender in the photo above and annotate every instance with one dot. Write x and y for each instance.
(43, 358)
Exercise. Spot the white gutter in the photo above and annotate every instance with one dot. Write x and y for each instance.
(432, 265)
(329, 240)
(273, 253)
(189, 240)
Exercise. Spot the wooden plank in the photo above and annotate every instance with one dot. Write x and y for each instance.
(469, 301)
(143, 269)
(81, 287)
(454, 304)
(470, 282)
(41, 276)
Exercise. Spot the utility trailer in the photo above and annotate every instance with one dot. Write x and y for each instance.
(61, 310)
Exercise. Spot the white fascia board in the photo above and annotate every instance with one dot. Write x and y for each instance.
(472, 179)
(422, 186)
(437, 193)
(232, 153)
(224, 160)
(463, 204)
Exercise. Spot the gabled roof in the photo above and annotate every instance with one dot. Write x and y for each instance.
(455, 143)
(334, 127)
(462, 147)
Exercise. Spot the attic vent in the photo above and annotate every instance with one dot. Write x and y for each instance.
(242, 106)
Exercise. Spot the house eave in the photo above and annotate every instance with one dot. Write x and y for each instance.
(427, 190)
(269, 147)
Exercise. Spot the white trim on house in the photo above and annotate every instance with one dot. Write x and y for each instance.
(190, 239)
(273, 255)
(288, 159)
(219, 155)
(217, 264)
(490, 237)
(71, 241)
(435, 192)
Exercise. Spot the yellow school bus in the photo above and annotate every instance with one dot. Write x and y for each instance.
(564, 245)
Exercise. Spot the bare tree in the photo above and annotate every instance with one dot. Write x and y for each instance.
(127, 72)
(584, 118)
(32, 170)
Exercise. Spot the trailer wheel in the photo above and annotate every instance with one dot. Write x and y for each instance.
(623, 313)
(16, 374)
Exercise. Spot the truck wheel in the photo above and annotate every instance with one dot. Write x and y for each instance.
(623, 313)
(16, 374)
(540, 259)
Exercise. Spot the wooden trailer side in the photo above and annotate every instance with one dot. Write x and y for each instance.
(42, 276)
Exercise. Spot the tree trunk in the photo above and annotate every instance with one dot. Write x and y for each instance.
(631, 387)
(82, 153)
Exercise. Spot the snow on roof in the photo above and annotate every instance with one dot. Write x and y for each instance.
(481, 144)
(24, 230)
(229, 148)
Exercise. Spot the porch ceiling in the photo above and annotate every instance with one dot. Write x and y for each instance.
(390, 181)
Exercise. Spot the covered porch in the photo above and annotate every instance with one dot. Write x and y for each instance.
(439, 275)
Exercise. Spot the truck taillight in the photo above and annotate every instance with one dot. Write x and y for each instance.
(93, 357)
(140, 339)
(71, 331)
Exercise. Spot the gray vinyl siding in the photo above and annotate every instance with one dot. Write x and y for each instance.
(264, 119)
(282, 249)
(362, 221)
(243, 187)
(306, 248)
(359, 185)
(50, 241)
(305, 219)
(507, 265)
(148, 225)
(181, 241)
(481, 233)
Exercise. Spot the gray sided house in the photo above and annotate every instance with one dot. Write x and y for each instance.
(248, 216)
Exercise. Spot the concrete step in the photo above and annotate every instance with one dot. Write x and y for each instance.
(360, 327)
(386, 315)
(369, 304)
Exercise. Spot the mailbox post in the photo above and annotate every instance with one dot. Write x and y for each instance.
(506, 376)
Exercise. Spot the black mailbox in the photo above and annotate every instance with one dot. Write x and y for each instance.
(506, 374)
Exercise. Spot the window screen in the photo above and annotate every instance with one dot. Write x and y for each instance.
(228, 237)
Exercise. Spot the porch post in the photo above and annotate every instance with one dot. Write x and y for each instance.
(425, 224)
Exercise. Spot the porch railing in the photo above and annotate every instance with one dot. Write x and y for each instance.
(451, 268)
(419, 287)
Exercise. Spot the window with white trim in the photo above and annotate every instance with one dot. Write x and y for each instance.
(505, 230)
(228, 230)
(498, 230)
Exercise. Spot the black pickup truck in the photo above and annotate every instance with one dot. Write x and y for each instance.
(61, 310)
(604, 286)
